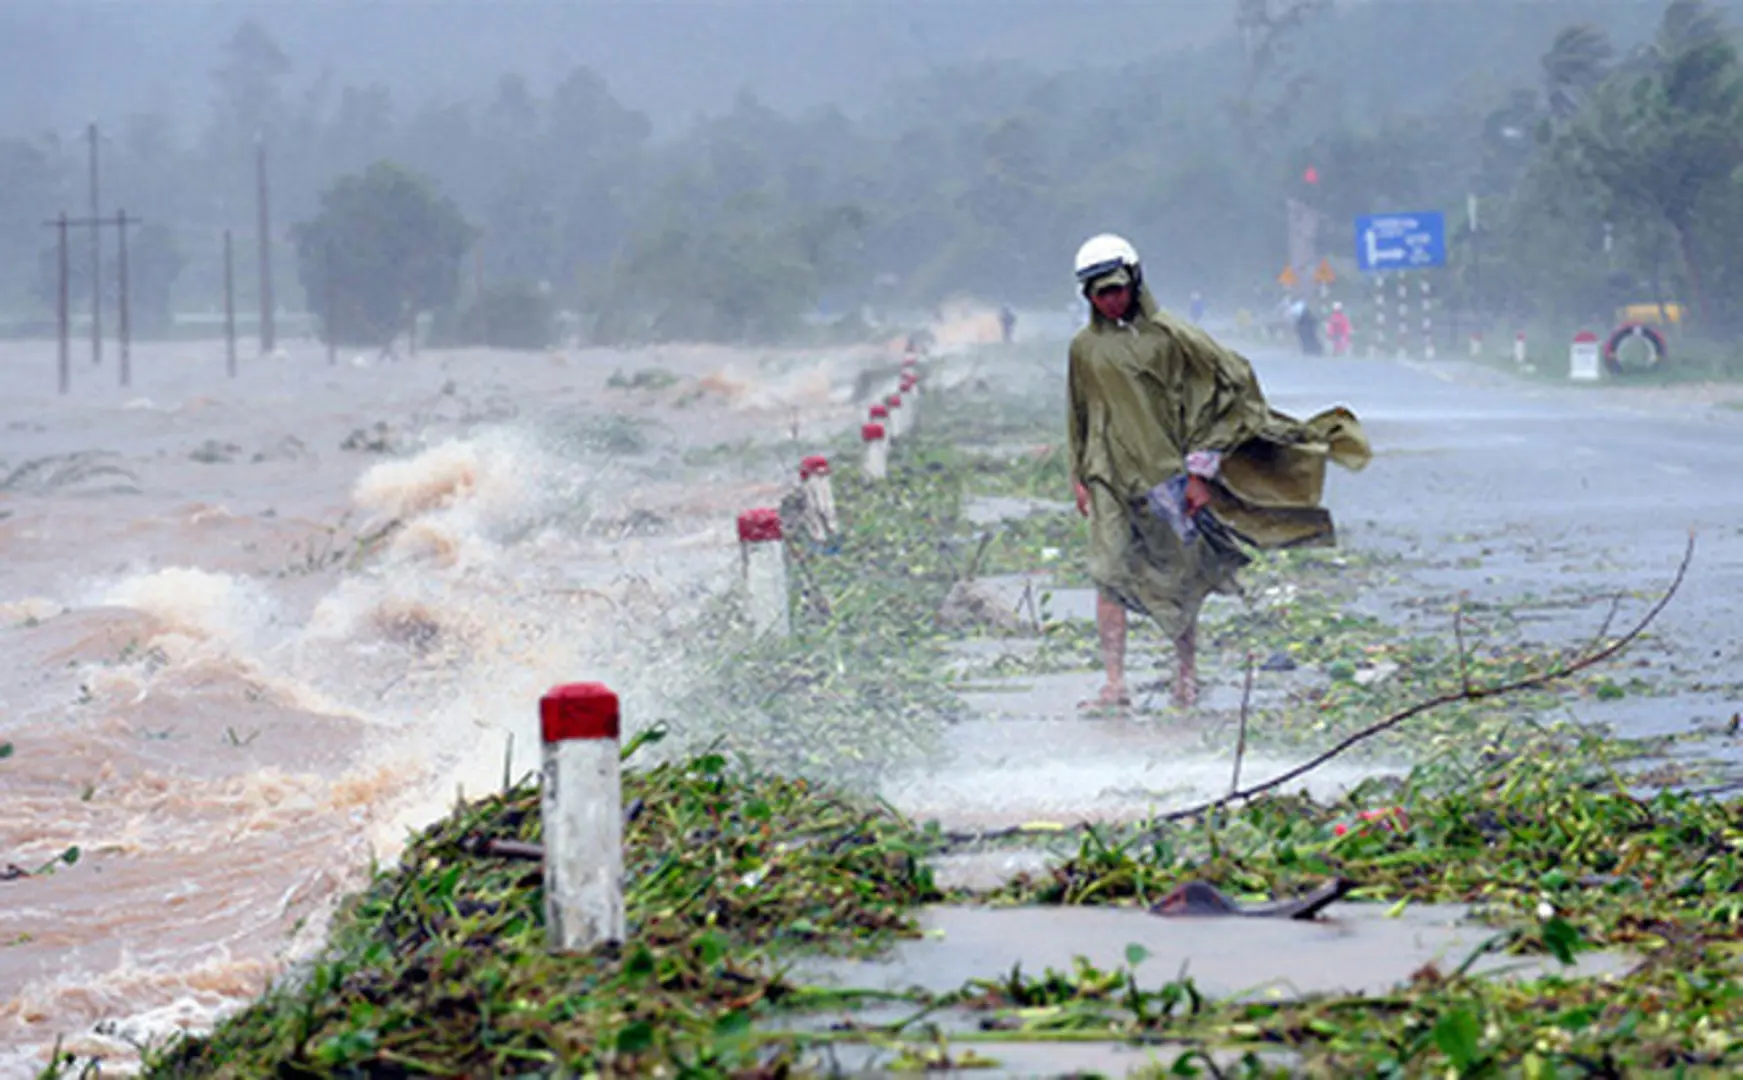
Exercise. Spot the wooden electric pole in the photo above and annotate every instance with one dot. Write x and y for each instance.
(125, 326)
(96, 252)
(229, 309)
(264, 228)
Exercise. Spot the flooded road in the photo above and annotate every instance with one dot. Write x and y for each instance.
(253, 631)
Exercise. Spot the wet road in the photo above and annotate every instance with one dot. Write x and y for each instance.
(1482, 486)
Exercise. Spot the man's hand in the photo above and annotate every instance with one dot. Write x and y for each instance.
(1082, 494)
(1197, 494)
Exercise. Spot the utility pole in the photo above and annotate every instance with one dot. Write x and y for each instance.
(63, 309)
(267, 337)
(229, 309)
(121, 224)
(96, 253)
(330, 321)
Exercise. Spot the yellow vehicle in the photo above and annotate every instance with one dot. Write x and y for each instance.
(1650, 315)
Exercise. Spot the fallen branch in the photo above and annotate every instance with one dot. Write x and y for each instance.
(1241, 739)
(1466, 692)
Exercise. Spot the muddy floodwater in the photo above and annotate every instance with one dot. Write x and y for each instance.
(253, 630)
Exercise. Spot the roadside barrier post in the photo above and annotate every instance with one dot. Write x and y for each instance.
(877, 450)
(581, 802)
(898, 417)
(1582, 363)
(763, 557)
(819, 493)
(1519, 347)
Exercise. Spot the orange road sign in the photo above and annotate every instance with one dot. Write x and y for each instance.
(1324, 274)
(1287, 278)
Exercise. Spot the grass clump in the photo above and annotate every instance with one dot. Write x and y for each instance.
(439, 966)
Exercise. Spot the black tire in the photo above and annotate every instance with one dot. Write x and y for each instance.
(1626, 332)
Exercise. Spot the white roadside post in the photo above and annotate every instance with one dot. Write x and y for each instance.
(820, 516)
(877, 450)
(1476, 346)
(910, 400)
(581, 803)
(763, 554)
(898, 417)
(1582, 362)
(1519, 348)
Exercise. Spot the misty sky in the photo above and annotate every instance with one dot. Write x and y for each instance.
(65, 61)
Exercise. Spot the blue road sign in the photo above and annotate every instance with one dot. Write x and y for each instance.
(1400, 241)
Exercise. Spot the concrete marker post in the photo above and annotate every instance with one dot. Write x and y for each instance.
(814, 481)
(911, 400)
(898, 417)
(1476, 346)
(581, 803)
(1583, 363)
(763, 559)
(1519, 348)
(877, 450)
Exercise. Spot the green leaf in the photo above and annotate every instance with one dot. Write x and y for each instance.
(710, 947)
(1136, 954)
(635, 1038)
(5, 750)
(732, 1024)
(757, 810)
(640, 963)
(1561, 939)
(1459, 1036)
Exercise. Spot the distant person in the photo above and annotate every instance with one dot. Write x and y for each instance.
(1306, 327)
(1007, 323)
(1197, 307)
(1337, 329)
(1179, 464)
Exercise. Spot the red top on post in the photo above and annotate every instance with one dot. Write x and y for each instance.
(872, 432)
(909, 359)
(909, 381)
(878, 412)
(894, 401)
(1585, 337)
(578, 711)
(815, 465)
(756, 526)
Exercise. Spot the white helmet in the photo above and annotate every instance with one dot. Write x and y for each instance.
(1104, 254)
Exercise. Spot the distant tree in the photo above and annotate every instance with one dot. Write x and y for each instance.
(393, 247)
(1663, 145)
(1573, 67)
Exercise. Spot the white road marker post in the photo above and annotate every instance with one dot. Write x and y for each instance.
(763, 558)
(898, 417)
(911, 400)
(1519, 348)
(877, 449)
(581, 803)
(1582, 361)
(820, 519)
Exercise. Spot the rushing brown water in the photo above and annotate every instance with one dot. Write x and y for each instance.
(253, 630)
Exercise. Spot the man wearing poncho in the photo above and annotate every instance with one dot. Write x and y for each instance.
(1179, 464)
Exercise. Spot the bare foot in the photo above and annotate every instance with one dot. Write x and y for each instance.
(1111, 698)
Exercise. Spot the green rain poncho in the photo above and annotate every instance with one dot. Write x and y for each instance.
(1145, 394)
